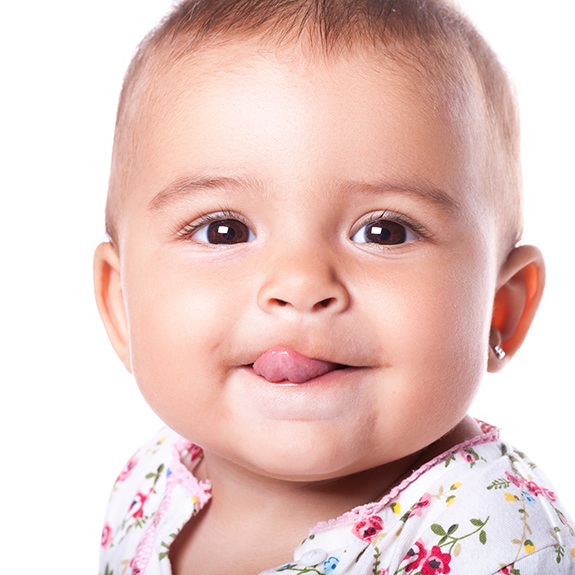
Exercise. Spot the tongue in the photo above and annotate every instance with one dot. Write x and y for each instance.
(280, 364)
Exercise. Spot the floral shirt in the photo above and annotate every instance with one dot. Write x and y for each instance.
(482, 508)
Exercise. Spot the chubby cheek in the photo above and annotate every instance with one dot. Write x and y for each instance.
(436, 328)
(178, 324)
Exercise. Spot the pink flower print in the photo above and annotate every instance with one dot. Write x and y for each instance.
(368, 529)
(188, 449)
(415, 556)
(135, 569)
(538, 490)
(531, 486)
(517, 480)
(506, 570)
(195, 451)
(418, 508)
(106, 535)
(467, 456)
(550, 495)
(436, 562)
(138, 503)
(125, 473)
(534, 488)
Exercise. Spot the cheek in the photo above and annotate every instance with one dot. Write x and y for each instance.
(433, 333)
(452, 312)
(178, 323)
(431, 305)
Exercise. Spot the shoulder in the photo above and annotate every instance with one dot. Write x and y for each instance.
(480, 509)
(486, 508)
(141, 473)
(155, 484)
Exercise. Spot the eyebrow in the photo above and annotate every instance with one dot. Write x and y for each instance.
(185, 186)
(419, 190)
(189, 185)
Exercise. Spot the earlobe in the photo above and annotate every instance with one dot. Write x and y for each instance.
(520, 287)
(110, 299)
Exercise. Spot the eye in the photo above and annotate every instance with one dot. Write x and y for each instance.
(225, 231)
(384, 233)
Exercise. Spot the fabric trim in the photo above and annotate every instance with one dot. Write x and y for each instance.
(490, 434)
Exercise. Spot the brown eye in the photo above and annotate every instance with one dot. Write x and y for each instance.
(384, 233)
(225, 232)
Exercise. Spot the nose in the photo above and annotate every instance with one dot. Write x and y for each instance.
(304, 283)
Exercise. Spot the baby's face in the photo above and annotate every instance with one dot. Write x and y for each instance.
(281, 211)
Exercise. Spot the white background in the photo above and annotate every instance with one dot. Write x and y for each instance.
(70, 415)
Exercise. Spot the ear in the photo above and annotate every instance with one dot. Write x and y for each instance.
(520, 287)
(110, 299)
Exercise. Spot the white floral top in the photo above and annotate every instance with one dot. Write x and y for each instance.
(482, 508)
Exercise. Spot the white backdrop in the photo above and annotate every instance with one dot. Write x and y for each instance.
(70, 415)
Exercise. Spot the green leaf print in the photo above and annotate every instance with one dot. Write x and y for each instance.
(376, 563)
(438, 530)
(156, 476)
(499, 484)
(448, 539)
(300, 571)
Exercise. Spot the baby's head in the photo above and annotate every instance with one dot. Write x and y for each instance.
(314, 210)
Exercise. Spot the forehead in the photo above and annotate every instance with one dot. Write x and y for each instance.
(453, 89)
(236, 111)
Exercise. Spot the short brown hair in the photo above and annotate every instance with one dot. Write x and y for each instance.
(429, 34)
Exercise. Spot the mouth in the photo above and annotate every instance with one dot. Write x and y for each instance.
(280, 364)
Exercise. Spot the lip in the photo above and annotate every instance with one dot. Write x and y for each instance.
(248, 358)
(336, 373)
(279, 364)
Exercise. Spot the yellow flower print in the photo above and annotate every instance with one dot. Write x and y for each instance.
(529, 547)
(511, 497)
(396, 507)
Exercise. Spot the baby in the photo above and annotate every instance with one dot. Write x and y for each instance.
(314, 219)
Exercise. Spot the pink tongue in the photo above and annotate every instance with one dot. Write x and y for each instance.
(280, 363)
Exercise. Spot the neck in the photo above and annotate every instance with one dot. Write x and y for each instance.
(253, 499)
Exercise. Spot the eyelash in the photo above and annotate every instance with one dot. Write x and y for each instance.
(419, 230)
(188, 230)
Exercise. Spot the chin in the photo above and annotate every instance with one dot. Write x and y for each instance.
(311, 459)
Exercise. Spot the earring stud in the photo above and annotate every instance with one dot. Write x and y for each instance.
(499, 351)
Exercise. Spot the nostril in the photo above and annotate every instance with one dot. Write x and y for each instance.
(325, 302)
(304, 303)
(320, 304)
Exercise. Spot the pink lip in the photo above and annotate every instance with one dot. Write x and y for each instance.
(283, 364)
